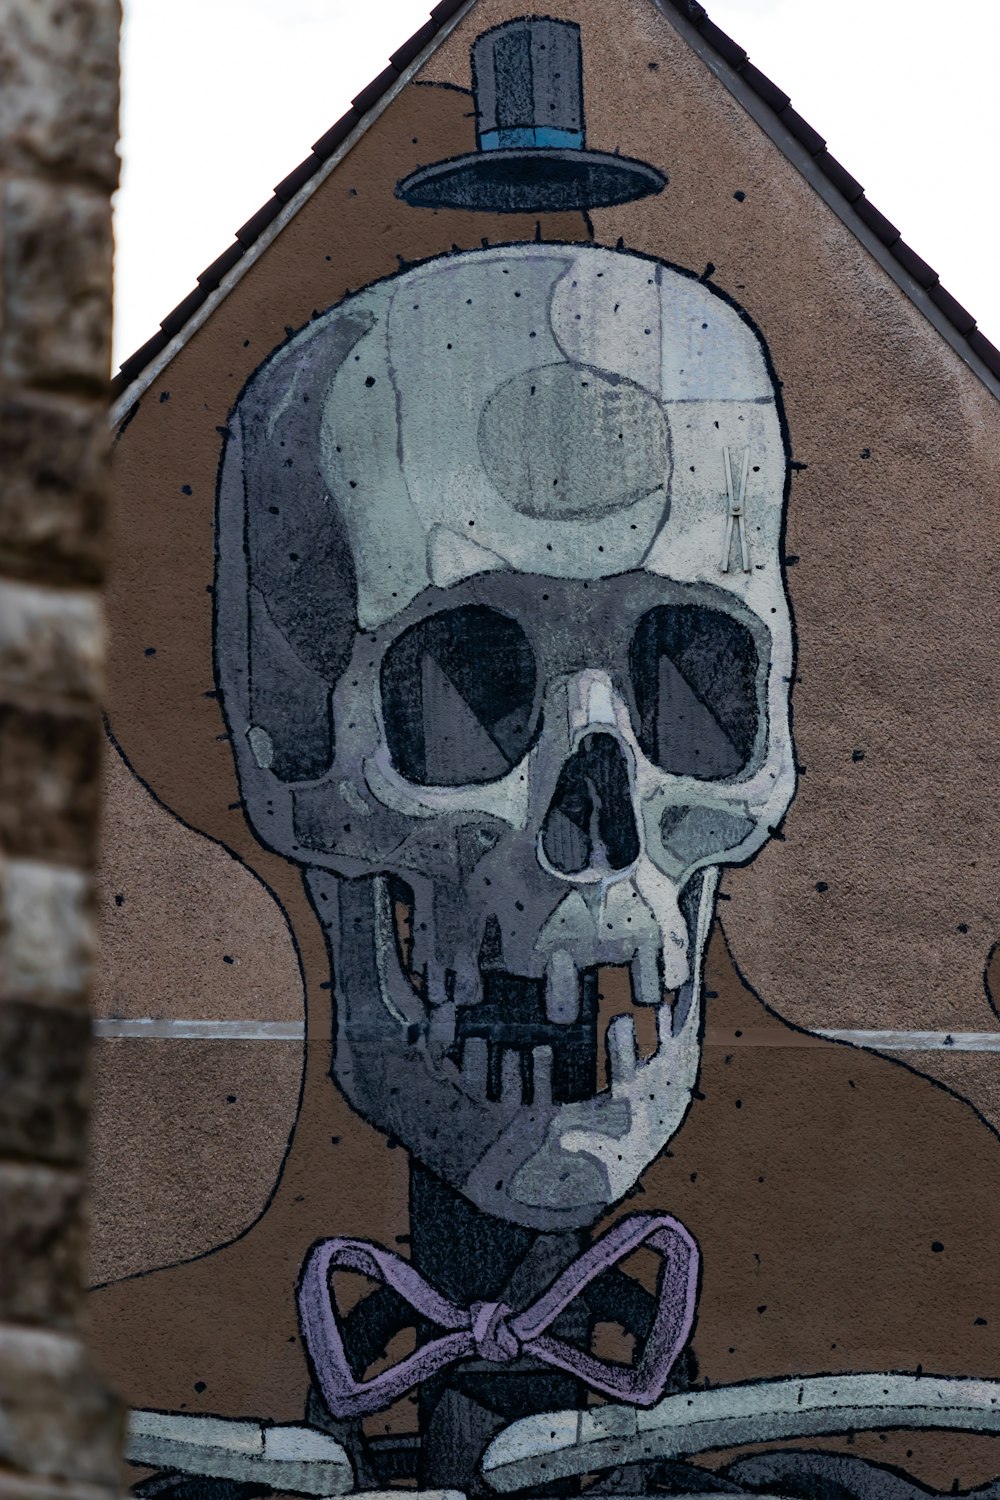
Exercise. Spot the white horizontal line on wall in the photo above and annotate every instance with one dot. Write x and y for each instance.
(294, 1031)
(202, 1031)
(919, 1041)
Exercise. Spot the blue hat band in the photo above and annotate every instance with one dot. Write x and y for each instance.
(519, 137)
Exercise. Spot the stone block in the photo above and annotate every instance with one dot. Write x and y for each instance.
(58, 1419)
(41, 1245)
(51, 640)
(43, 1082)
(59, 93)
(49, 766)
(46, 933)
(53, 468)
(56, 320)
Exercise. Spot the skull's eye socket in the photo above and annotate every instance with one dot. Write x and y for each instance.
(458, 695)
(695, 672)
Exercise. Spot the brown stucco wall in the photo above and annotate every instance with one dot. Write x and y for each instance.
(60, 1425)
(815, 1177)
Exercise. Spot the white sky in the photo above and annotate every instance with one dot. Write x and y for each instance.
(222, 98)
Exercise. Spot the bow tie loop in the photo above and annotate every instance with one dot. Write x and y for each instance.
(489, 1330)
(495, 1339)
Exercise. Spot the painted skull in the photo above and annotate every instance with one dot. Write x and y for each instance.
(503, 639)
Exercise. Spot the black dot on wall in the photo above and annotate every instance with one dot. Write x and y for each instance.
(822, 886)
(228, 959)
(866, 453)
(936, 1246)
(963, 926)
(980, 1323)
(164, 396)
(857, 755)
(200, 1386)
(740, 196)
(370, 381)
(186, 489)
(230, 1098)
(119, 899)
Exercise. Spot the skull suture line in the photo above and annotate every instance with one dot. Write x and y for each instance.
(474, 635)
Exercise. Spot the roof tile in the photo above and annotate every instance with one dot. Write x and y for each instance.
(988, 353)
(372, 94)
(213, 274)
(883, 228)
(137, 362)
(289, 186)
(914, 265)
(256, 225)
(952, 309)
(336, 135)
(839, 176)
(802, 130)
(405, 54)
(762, 85)
(690, 8)
(445, 10)
(178, 316)
(723, 43)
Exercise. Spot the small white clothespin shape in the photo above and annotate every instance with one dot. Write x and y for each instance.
(737, 516)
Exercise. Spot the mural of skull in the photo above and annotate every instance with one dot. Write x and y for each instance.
(503, 637)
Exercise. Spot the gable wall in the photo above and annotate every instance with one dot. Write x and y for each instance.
(891, 572)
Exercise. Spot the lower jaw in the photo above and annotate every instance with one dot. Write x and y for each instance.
(563, 1165)
(546, 1164)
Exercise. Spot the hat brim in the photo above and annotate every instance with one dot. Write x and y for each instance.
(531, 180)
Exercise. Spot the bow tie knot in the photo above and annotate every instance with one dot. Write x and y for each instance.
(489, 1330)
(494, 1338)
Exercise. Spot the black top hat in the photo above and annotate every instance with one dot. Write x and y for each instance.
(527, 78)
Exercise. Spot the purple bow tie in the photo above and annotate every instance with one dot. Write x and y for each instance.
(489, 1330)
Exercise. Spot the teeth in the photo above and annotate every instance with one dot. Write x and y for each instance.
(686, 997)
(464, 984)
(647, 978)
(510, 1075)
(670, 1019)
(435, 987)
(475, 1060)
(562, 990)
(542, 1076)
(622, 1050)
(441, 1027)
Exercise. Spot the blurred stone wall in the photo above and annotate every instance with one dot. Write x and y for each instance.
(59, 1423)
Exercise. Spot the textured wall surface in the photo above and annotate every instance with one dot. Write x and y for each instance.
(59, 1421)
(845, 1204)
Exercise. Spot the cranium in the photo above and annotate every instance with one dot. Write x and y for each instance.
(485, 630)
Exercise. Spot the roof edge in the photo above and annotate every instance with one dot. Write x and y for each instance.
(807, 151)
(766, 104)
(139, 371)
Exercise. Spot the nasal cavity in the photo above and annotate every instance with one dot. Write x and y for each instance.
(590, 826)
